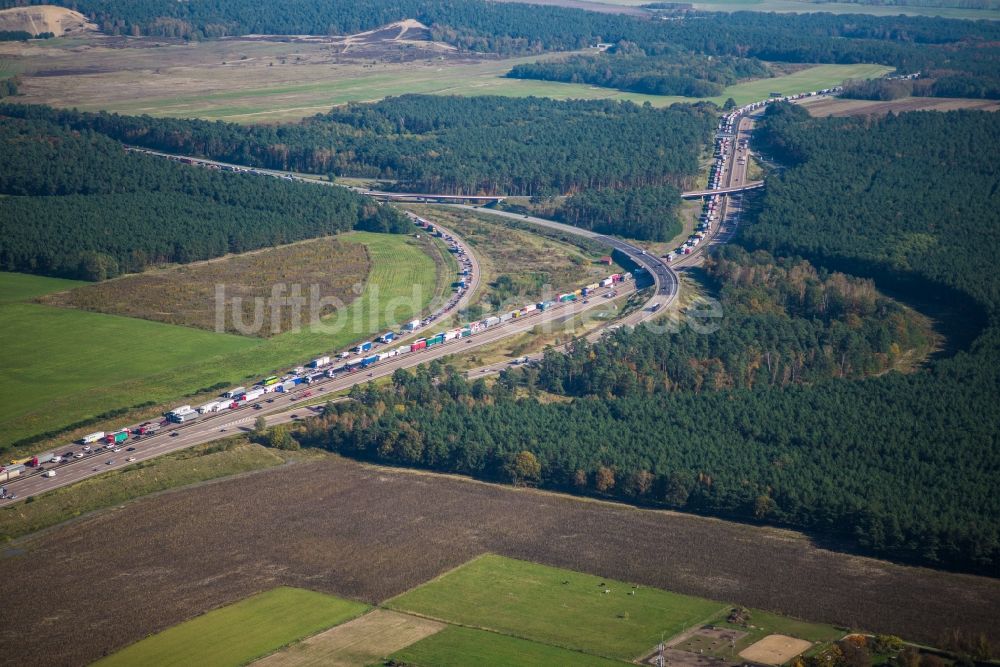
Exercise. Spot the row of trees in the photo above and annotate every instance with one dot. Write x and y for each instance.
(817, 457)
(674, 73)
(76, 204)
(934, 86)
(443, 144)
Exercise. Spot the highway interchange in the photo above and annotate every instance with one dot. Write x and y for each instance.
(281, 408)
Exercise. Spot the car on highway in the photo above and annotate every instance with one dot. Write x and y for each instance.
(109, 462)
(174, 434)
(130, 449)
(78, 455)
(130, 459)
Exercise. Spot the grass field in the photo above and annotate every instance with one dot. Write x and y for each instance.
(240, 632)
(558, 607)
(59, 365)
(174, 470)
(459, 647)
(21, 286)
(260, 81)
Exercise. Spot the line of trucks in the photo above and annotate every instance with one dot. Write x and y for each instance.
(321, 367)
(728, 126)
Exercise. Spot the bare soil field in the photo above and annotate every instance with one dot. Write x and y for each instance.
(363, 641)
(836, 106)
(775, 650)
(187, 295)
(370, 533)
(44, 18)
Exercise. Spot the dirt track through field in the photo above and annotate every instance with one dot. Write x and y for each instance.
(95, 585)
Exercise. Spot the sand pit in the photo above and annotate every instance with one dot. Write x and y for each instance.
(44, 18)
(774, 649)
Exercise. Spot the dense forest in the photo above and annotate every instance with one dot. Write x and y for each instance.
(76, 204)
(784, 323)
(647, 213)
(443, 144)
(766, 419)
(673, 73)
(964, 52)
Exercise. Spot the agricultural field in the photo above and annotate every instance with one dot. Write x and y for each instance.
(457, 647)
(363, 641)
(845, 107)
(581, 612)
(187, 295)
(61, 365)
(189, 466)
(371, 533)
(16, 287)
(275, 81)
(240, 632)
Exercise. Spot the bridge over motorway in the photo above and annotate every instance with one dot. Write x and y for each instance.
(698, 194)
(437, 198)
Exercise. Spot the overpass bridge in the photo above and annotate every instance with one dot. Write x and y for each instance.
(436, 198)
(698, 194)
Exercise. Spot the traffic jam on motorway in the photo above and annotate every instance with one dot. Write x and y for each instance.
(360, 357)
(728, 129)
(372, 352)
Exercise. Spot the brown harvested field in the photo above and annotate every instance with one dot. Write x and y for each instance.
(363, 641)
(774, 649)
(186, 295)
(370, 533)
(836, 106)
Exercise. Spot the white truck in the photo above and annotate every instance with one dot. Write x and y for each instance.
(235, 392)
(93, 437)
(319, 362)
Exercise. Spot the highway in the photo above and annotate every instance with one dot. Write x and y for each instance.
(280, 408)
(667, 285)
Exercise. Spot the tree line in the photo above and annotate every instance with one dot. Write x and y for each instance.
(674, 73)
(76, 204)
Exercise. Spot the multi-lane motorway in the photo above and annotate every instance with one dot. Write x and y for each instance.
(223, 424)
(281, 408)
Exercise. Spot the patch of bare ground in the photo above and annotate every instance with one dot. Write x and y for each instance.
(370, 533)
(363, 641)
(839, 107)
(186, 295)
(44, 18)
(775, 650)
